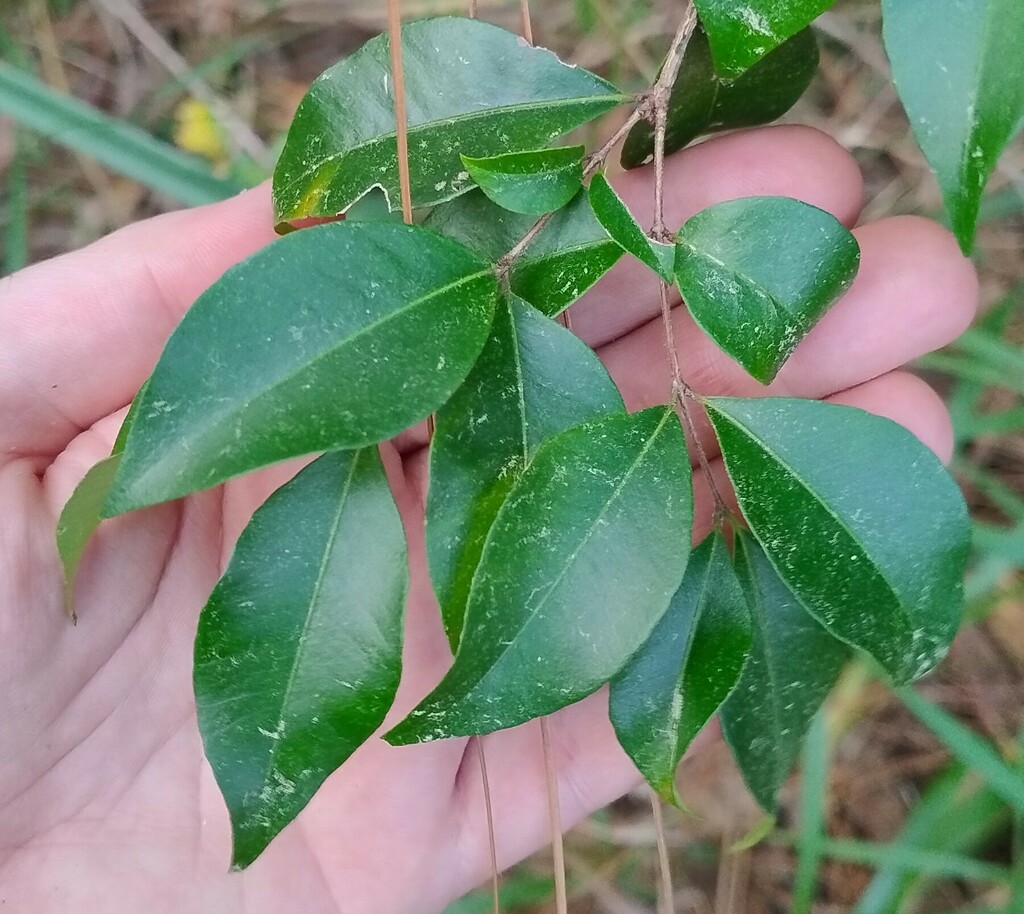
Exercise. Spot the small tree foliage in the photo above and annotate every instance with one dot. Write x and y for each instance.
(558, 525)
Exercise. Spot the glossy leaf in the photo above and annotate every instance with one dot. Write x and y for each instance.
(688, 666)
(618, 221)
(337, 336)
(859, 518)
(82, 514)
(471, 87)
(298, 653)
(956, 77)
(703, 102)
(758, 273)
(793, 665)
(533, 380)
(741, 32)
(570, 254)
(534, 182)
(579, 565)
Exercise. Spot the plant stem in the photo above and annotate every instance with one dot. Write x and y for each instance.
(659, 100)
(666, 895)
(482, 757)
(401, 122)
(473, 9)
(554, 817)
(526, 25)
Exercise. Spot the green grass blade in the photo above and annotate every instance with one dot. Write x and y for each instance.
(993, 488)
(931, 863)
(16, 210)
(120, 146)
(518, 891)
(956, 814)
(810, 841)
(969, 748)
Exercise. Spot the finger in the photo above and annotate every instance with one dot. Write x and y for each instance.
(915, 292)
(593, 770)
(774, 161)
(80, 333)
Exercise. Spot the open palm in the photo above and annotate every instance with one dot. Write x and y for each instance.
(106, 802)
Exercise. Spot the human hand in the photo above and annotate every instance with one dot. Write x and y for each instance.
(106, 802)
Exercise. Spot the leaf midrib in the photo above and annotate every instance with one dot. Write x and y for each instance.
(759, 617)
(582, 100)
(828, 510)
(466, 695)
(307, 623)
(216, 418)
(699, 608)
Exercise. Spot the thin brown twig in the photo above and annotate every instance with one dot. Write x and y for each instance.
(659, 100)
(666, 895)
(482, 757)
(526, 24)
(401, 122)
(474, 9)
(555, 818)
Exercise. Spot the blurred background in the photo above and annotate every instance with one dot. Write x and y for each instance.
(113, 110)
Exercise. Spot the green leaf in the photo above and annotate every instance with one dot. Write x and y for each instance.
(792, 667)
(757, 274)
(334, 337)
(533, 380)
(298, 653)
(703, 102)
(963, 94)
(859, 518)
(579, 565)
(79, 519)
(688, 666)
(82, 514)
(470, 87)
(618, 221)
(120, 146)
(571, 253)
(741, 33)
(532, 183)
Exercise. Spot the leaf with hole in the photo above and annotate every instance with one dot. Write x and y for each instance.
(299, 649)
(533, 182)
(758, 273)
(965, 100)
(579, 565)
(702, 102)
(860, 519)
(793, 665)
(742, 33)
(684, 671)
(362, 330)
(618, 221)
(570, 254)
(470, 87)
(533, 380)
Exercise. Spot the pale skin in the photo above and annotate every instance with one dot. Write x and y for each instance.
(106, 801)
